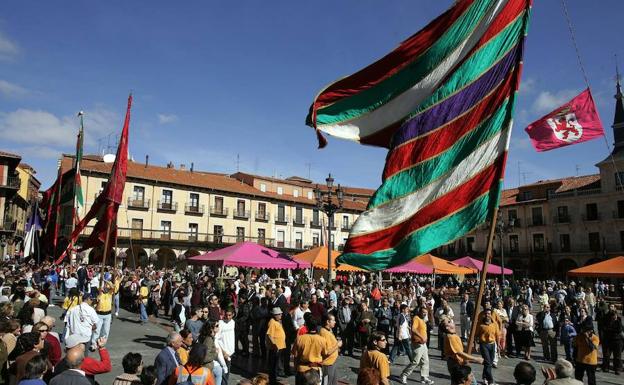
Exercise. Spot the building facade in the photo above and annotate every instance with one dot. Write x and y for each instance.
(169, 213)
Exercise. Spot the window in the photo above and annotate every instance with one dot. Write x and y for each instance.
(167, 197)
(538, 242)
(562, 214)
(263, 187)
(218, 205)
(591, 211)
(512, 215)
(137, 228)
(594, 241)
(470, 244)
(526, 196)
(218, 233)
(280, 190)
(138, 194)
(345, 222)
(296, 193)
(280, 238)
(103, 184)
(513, 243)
(299, 215)
(193, 229)
(536, 213)
(194, 200)
(281, 213)
(310, 195)
(240, 208)
(620, 209)
(315, 218)
(619, 179)
(261, 236)
(564, 243)
(240, 234)
(622, 240)
(261, 210)
(298, 240)
(315, 240)
(165, 229)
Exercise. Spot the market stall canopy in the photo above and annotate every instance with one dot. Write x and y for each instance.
(247, 254)
(442, 266)
(611, 268)
(478, 265)
(317, 257)
(411, 267)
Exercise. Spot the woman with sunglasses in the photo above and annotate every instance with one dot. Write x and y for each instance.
(373, 356)
(52, 346)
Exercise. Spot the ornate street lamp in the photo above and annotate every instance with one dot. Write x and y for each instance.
(502, 229)
(329, 201)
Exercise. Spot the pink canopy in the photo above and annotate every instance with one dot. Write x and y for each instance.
(247, 254)
(476, 264)
(411, 267)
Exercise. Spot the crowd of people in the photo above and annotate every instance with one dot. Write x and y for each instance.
(299, 327)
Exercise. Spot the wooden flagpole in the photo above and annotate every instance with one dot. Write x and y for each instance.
(486, 262)
(108, 231)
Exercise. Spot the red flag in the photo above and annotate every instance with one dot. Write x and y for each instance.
(574, 122)
(107, 203)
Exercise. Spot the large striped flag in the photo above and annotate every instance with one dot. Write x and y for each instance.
(442, 102)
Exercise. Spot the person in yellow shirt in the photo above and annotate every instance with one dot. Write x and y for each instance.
(143, 294)
(454, 348)
(104, 309)
(586, 353)
(486, 336)
(309, 350)
(373, 357)
(329, 367)
(420, 354)
(276, 341)
(185, 348)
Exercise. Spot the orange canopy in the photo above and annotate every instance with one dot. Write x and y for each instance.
(442, 266)
(317, 257)
(611, 268)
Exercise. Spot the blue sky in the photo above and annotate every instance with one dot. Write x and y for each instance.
(217, 80)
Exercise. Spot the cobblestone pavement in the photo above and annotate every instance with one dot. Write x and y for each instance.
(127, 335)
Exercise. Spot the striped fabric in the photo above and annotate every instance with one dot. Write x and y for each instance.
(442, 103)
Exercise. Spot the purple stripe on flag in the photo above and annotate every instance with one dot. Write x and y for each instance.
(458, 103)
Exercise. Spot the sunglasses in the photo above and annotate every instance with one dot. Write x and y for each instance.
(44, 330)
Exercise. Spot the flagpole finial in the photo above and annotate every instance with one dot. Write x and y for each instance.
(81, 113)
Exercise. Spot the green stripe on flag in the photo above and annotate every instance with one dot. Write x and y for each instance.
(428, 238)
(414, 178)
(407, 77)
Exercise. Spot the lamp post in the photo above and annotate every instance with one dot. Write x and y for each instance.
(503, 228)
(329, 201)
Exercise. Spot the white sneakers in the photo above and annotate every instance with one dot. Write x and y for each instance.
(426, 381)
(403, 380)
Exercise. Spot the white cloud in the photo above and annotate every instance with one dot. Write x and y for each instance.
(527, 86)
(8, 49)
(42, 128)
(167, 118)
(12, 90)
(547, 101)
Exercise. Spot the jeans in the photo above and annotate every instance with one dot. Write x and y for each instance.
(116, 303)
(567, 346)
(420, 359)
(103, 328)
(404, 345)
(143, 313)
(217, 372)
(329, 375)
(487, 352)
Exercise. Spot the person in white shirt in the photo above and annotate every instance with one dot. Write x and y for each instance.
(226, 340)
(82, 319)
(300, 310)
(71, 282)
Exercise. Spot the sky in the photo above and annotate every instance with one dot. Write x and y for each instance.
(226, 85)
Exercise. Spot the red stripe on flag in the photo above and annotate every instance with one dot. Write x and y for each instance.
(436, 210)
(442, 138)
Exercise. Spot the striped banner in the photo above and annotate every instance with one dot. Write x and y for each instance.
(442, 103)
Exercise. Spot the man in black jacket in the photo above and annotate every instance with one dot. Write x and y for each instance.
(547, 325)
(513, 311)
(241, 326)
(346, 325)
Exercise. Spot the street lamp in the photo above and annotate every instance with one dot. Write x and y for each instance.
(329, 201)
(503, 228)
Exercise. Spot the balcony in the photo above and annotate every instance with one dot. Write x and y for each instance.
(138, 204)
(241, 214)
(193, 209)
(316, 224)
(218, 211)
(591, 217)
(517, 222)
(299, 221)
(167, 207)
(345, 227)
(618, 215)
(262, 216)
(537, 221)
(12, 182)
(281, 220)
(561, 219)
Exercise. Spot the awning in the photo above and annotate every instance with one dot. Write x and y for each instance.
(317, 257)
(611, 268)
(247, 254)
(478, 265)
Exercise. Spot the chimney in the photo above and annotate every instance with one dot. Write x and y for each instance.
(146, 160)
(182, 166)
(192, 166)
(170, 165)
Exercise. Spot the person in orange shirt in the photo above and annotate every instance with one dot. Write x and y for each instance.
(373, 357)
(454, 348)
(193, 369)
(329, 367)
(586, 353)
(310, 351)
(486, 336)
(276, 341)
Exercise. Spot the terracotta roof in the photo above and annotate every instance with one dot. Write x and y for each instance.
(26, 166)
(509, 197)
(5, 154)
(578, 182)
(203, 180)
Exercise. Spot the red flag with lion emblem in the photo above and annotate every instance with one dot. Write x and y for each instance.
(575, 122)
